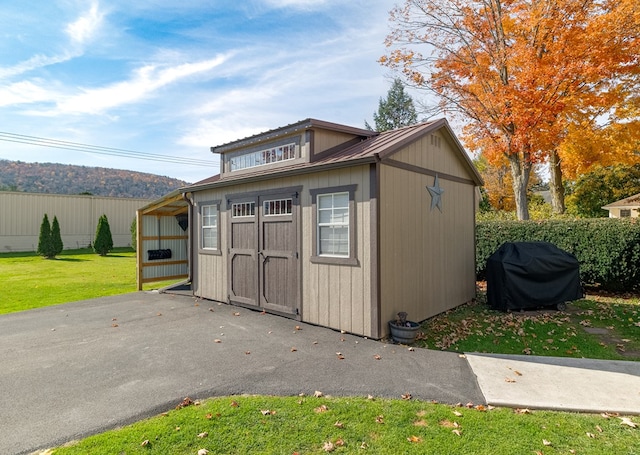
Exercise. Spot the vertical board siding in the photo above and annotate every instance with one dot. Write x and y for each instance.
(427, 256)
(153, 229)
(21, 215)
(324, 140)
(335, 296)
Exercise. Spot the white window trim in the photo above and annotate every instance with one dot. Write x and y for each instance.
(264, 157)
(216, 228)
(332, 224)
(351, 259)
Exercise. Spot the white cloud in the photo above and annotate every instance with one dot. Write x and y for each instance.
(84, 28)
(144, 82)
(35, 62)
(24, 92)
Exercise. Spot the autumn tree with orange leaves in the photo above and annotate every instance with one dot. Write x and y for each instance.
(520, 73)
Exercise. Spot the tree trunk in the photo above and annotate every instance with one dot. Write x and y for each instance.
(555, 183)
(520, 171)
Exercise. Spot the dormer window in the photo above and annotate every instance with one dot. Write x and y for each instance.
(263, 157)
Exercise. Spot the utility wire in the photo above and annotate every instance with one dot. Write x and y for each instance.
(87, 148)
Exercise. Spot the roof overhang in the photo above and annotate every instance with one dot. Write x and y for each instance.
(171, 204)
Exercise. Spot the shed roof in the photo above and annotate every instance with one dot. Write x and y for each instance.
(306, 124)
(629, 202)
(375, 147)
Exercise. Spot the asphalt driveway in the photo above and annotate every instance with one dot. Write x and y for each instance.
(77, 369)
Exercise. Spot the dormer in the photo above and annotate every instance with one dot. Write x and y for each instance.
(302, 142)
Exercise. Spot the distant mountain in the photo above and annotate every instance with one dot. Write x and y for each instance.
(69, 179)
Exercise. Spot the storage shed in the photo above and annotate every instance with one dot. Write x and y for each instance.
(333, 225)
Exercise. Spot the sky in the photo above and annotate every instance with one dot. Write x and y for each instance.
(175, 77)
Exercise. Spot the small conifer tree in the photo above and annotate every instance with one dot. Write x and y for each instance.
(45, 243)
(103, 242)
(134, 234)
(56, 238)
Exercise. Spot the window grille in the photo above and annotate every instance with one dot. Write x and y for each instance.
(262, 157)
(243, 209)
(210, 227)
(278, 207)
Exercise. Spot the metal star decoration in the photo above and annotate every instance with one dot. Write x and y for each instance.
(436, 194)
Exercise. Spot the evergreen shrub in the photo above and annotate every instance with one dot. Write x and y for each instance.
(56, 238)
(45, 242)
(608, 249)
(103, 242)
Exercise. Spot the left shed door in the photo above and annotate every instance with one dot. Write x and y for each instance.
(264, 269)
(243, 252)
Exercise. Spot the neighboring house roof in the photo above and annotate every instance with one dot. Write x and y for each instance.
(630, 202)
(374, 147)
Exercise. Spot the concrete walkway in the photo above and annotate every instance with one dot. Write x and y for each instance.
(77, 369)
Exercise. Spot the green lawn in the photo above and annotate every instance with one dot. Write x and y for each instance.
(474, 327)
(307, 425)
(310, 425)
(30, 281)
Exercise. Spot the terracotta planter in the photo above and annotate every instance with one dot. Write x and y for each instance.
(404, 334)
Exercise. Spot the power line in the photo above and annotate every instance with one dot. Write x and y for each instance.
(87, 148)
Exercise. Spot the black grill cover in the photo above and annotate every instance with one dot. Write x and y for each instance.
(530, 275)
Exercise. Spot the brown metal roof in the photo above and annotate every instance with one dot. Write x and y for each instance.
(377, 146)
(309, 123)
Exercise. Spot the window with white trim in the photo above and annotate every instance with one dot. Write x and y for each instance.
(333, 224)
(243, 209)
(278, 207)
(210, 227)
(625, 213)
(262, 157)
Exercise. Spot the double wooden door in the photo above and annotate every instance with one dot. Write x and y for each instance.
(264, 270)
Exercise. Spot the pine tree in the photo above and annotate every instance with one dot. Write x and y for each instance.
(45, 244)
(103, 242)
(396, 110)
(56, 238)
(134, 234)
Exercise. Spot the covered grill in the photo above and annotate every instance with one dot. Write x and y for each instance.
(524, 275)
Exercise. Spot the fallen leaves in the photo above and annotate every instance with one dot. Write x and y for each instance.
(414, 439)
(185, 402)
(627, 421)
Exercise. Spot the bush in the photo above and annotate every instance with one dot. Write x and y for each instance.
(134, 234)
(56, 238)
(103, 242)
(608, 249)
(45, 242)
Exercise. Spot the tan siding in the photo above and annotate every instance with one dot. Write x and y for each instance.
(335, 296)
(427, 257)
(21, 215)
(324, 140)
(425, 154)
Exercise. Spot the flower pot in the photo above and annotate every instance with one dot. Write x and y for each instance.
(405, 334)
